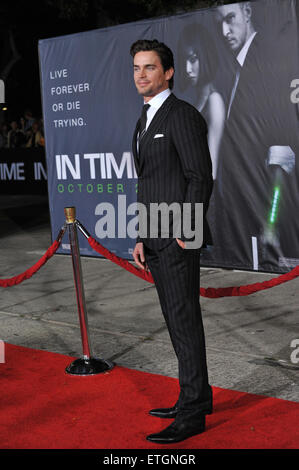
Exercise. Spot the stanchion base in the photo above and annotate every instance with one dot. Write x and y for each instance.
(89, 366)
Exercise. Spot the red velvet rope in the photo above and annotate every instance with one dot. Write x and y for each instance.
(120, 261)
(29, 272)
(210, 292)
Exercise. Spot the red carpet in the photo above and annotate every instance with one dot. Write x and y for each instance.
(44, 408)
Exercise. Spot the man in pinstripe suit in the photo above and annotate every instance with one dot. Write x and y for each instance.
(173, 164)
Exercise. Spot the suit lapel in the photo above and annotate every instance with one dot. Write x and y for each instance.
(156, 122)
(134, 147)
(245, 69)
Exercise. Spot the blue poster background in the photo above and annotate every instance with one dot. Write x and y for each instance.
(99, 63)
(90, 108)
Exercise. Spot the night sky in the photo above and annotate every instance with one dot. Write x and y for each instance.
(28, 21)
(28, 25)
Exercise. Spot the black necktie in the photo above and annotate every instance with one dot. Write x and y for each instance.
(143, 118)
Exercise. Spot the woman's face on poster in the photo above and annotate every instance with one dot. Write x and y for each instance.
(192, 65)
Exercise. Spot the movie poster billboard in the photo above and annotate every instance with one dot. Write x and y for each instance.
(238, 65)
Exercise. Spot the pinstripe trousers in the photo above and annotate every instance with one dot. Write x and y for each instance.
(176, 272)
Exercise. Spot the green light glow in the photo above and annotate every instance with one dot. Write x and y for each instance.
(273, 214)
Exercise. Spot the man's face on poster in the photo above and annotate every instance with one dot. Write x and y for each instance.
(234, 21)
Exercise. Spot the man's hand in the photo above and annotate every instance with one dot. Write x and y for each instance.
(138, 255)
(181, 243)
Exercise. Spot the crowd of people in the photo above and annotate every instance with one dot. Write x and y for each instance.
(26, 132)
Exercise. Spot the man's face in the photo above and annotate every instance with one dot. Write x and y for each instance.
(149, 76)
(235, 21)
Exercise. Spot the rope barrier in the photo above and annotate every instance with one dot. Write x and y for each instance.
(210, 292)
(30, 271)
(120, 261)
(13, 281)
(88, 364)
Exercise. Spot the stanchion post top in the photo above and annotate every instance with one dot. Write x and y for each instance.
(70, 214)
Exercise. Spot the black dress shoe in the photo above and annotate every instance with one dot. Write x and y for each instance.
(178, 431)
(164, 412)
(172, 412)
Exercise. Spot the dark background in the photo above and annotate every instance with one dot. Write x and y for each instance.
(23, 23)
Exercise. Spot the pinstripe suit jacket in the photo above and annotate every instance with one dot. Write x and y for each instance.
(176, 166)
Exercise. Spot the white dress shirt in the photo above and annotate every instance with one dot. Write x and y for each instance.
(156, 103)
(243, 52)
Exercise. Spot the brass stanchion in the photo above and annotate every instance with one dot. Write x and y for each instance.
(87, 365)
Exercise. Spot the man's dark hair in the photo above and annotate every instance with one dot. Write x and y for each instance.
(165, 54)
